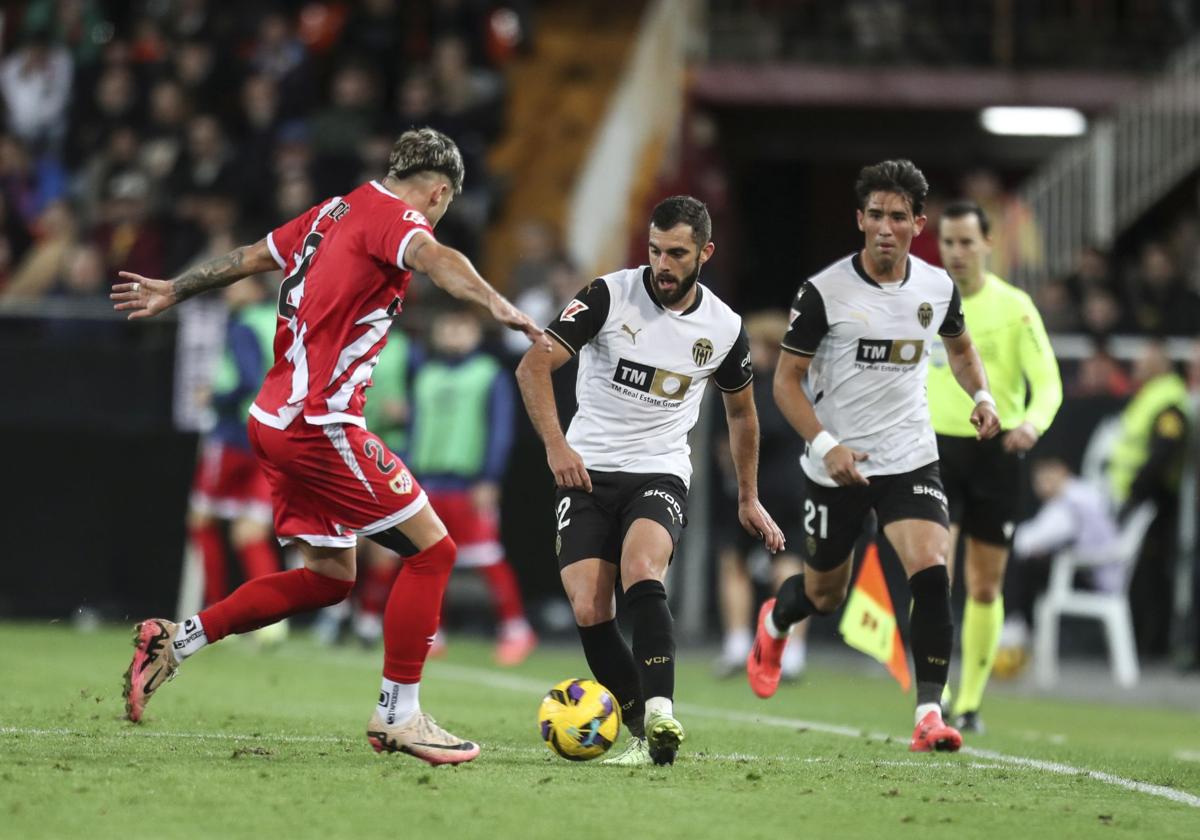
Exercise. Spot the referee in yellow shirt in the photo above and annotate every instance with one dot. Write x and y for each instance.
(982, 478)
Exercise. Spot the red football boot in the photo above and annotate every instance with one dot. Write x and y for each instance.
(933, 733)
(763, 665)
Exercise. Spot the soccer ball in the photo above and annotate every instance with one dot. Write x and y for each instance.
(579, 719)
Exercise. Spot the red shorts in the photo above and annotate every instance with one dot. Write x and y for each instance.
(228, 484)
(477, 534)
(329, 483)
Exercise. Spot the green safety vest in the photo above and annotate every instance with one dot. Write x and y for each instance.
(1137, 426)
(450, 404)
(262, 319)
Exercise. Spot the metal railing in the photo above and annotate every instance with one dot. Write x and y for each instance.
(1096, 187)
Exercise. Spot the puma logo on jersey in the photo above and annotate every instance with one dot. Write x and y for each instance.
(573, 308)
(633, 334)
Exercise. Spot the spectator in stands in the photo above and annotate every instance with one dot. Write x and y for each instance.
(45, 261)
(1101, 313)
(1146, 465)
(1054, 303)
(339, 127)
(129, 239)
(99, 109)
(1159, 300)
(35, 82)
(537, 252)
(544, 302)
(1093, 270)
(1016, 240)
(29, 182)
(1100, 375)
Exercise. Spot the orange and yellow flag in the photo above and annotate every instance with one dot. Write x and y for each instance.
(869, 621)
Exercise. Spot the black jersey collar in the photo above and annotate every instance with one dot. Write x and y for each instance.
(648, 285)
(856, 261)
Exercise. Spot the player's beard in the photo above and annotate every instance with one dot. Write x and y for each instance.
(681, 290)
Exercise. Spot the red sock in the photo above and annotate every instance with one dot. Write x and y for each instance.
(414, 611)
(506, 595)
(206, 539)
(258, 559)
(265, 600)
(376, 588)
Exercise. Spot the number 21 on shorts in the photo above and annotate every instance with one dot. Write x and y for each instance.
(814, 511)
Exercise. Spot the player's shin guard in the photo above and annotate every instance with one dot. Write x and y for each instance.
(792, 605)
(613, 666)
(265, 600)
(932, 632)
(414, 610)
(653, 637)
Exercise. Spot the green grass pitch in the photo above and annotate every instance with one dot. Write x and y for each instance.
(248, 743)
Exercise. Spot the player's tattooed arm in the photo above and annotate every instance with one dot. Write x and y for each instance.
(451, 271)
(144, 297)
(968, 371)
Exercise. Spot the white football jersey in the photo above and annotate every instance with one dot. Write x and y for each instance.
(643, 369)
(870, 348)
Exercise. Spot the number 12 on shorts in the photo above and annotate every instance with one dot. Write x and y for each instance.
(813, 511)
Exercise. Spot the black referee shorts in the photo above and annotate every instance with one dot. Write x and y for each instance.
(594, 524)
(834, 516)
(983, 484)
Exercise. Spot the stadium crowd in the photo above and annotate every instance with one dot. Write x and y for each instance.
(144, 136)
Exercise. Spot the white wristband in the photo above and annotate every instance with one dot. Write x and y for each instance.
(983, 395)
(821, 445)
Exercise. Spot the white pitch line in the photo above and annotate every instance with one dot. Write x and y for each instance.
(492, 679)
(271, 737)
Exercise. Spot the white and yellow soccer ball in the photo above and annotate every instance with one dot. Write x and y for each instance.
(579, 719)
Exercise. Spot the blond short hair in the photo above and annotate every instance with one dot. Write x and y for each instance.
(426, 150)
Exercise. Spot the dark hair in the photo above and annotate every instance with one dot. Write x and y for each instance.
(960, 209)
(683, 209)
(894, 176)
(426, 150)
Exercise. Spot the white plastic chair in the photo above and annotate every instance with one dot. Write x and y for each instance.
(1109, 608)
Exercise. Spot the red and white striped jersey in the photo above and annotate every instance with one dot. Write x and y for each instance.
(344, 281)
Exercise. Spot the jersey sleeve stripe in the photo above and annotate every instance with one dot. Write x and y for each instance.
(404, 247)
(796, 351)
(562, 341)
(953, 335)
(274, 251)
(741, 387)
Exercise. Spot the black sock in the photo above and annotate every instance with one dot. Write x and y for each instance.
(792, 604)
(653, 637)
(932, 631)
(613, 666)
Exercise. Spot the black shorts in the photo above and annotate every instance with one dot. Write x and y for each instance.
(594, 524)
(834, 516)
(983, 484)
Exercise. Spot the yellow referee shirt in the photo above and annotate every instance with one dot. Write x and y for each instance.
(1011, 339)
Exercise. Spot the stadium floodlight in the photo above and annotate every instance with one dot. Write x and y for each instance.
(1034, 122)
